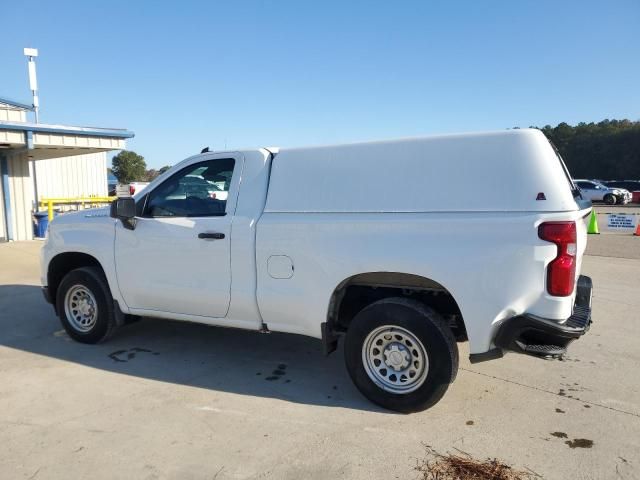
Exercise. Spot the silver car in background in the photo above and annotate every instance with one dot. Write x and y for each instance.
(598, 192)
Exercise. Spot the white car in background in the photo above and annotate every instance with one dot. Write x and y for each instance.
(135, 187)
(197, 186)
(598, 192)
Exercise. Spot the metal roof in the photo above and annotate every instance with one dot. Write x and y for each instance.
(13, 103)
(65, 129)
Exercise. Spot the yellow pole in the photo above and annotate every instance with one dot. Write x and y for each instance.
(50, 209)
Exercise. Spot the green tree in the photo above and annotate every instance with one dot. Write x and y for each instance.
(606, 150)
(128, 167)
(150, 175)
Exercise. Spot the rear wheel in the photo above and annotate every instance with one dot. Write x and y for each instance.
(401, 354)
(610, 199)
(85, 305)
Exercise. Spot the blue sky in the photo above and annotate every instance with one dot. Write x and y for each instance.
(184, 75)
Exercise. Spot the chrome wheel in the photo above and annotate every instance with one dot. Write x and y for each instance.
(395, 359)
(81, 308)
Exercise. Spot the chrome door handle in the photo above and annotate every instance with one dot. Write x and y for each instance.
(211, 235)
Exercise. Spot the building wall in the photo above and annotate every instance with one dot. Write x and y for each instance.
(21, 196)
(70, 177)
(3, 228)
(12, 114)
(67, 177)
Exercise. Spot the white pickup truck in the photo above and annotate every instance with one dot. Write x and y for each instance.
(305, 241)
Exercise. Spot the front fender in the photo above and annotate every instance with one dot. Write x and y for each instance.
(93, 236)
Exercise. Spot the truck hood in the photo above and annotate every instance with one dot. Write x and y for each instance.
(91, 215)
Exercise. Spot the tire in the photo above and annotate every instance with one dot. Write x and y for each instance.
(405, 321)
(85, 305)
(609, 199)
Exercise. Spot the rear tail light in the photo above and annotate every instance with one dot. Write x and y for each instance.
(561, 272)
(132, 189)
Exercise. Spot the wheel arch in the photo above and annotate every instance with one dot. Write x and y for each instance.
(63, 263)
(355, 292)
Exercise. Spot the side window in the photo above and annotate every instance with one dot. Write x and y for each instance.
(200, 190)
(585, 185)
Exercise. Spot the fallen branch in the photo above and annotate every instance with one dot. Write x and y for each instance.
(463, 467)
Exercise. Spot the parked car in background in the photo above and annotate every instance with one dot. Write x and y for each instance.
(135, 187)
(197, 186)
(598, 192)
(112, 183)
(631, 185)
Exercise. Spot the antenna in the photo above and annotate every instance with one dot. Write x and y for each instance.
(32, 53)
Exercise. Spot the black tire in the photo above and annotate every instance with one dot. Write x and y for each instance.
(92, 279)
(423, 323)
(609, 199)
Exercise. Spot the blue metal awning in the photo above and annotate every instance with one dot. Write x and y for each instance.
(22, 106)
(65, 129)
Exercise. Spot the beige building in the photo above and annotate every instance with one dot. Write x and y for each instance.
(41, 160)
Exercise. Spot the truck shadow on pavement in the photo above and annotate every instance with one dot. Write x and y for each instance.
(283, 366)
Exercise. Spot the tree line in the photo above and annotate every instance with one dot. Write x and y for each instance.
(607, 150)
(128, 166)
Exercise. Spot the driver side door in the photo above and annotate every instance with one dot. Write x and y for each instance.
(177, 260)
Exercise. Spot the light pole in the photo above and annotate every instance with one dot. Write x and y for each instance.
(32, 53)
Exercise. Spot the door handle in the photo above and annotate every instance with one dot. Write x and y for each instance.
(211, 235)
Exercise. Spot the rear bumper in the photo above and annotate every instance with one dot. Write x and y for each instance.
(542, 337)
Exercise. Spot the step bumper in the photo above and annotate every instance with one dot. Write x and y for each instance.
(542, 337)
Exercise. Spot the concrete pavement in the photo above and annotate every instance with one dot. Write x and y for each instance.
(175, 400)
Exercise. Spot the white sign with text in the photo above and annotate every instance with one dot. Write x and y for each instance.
(621, 220)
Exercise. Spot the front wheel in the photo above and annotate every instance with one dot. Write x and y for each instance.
(85, 305)
(401, 354)
(609, 199)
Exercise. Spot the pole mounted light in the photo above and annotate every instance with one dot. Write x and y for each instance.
(32, 53)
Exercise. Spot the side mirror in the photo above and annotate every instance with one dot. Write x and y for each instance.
(124, 209)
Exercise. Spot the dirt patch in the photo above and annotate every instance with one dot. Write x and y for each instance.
(580, 443)
(463, 467)
(126, 355)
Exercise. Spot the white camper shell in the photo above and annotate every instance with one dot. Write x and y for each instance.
(480, 172)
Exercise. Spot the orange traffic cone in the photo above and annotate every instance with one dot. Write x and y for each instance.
(637, 232)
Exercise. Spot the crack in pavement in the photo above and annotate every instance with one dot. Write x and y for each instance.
(552, 393)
